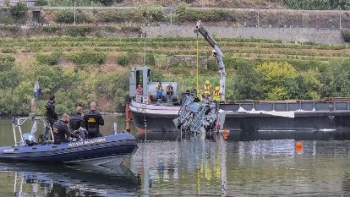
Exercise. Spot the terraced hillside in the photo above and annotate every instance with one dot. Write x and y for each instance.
(93, 68)
(113, 50)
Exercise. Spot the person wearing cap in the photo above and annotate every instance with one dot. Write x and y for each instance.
(207, 89)
(50, 114)
(216, 94)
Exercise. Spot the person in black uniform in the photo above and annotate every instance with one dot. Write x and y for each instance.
(93, 120)
(77, 121)
(51, 115)
(61, 132)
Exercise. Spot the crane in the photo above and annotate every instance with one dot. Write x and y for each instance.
(217, 53)
(205, 116)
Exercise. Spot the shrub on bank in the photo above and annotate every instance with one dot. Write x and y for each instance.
(88, 57)
(67, 16)
(49, 59)
(76, 31)
(41, 3)
(123, 60)
(153, 14)
(6, 62)
(191, 15)
(138, 15)
(51, 29)
(116, 16)
(19, 11)
(13, 30)
(5, 16)
(131, 29)
(346, 35)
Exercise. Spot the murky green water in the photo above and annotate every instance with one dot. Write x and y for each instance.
(192, 167)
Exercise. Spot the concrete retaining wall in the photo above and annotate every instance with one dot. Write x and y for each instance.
(297, 35)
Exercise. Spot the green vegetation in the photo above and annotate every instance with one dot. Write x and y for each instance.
(292, 4)
(41, 3)
(19, 11)
(49, 59)
(188, 15)
(82, 69)
(82, 63)
(87, 57)
(346, 35)
(317, 4)
(181, 13)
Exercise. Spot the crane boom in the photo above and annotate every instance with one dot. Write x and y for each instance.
(217, 53)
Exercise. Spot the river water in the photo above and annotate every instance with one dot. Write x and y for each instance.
(191, 166)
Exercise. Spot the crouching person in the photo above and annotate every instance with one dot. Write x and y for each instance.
(61, 132)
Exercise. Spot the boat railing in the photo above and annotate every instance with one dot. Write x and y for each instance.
(142, 99)
(17, 124)
(146, 100)
(289, 106)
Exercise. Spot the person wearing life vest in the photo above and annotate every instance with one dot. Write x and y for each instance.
(159, 89)
(207, 89)
(216, 94)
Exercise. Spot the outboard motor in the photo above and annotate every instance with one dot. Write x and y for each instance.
(29, 139)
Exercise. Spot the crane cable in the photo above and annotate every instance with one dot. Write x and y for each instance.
(197, 62)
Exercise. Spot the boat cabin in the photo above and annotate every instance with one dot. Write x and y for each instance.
(142, 76)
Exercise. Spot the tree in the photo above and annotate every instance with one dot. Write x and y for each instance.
(277, 80)
(19, 11)
(336, 79)
(41, 2)
(106, 2)
(309, 85)
(247, 83)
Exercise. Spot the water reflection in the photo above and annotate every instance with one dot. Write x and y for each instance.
(172, 165)
(62, 180)
(158, 136)
(169, 168)
(202, 167)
